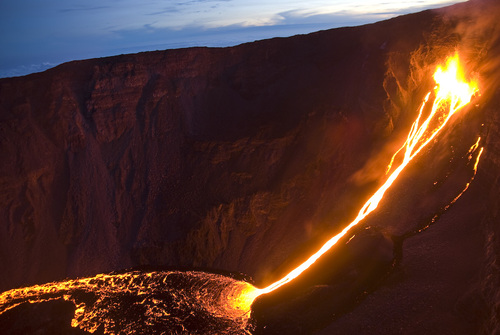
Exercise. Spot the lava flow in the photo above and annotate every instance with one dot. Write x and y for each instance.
(137, 302)
(452, 92)
(134, 301)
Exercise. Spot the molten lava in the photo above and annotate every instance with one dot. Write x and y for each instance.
(167, 299)
(452, 92)
(137, 302)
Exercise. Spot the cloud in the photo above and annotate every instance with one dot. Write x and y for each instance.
(83, 8)
(356, 13)
(25, 69)
(167, 10)
(59, 32)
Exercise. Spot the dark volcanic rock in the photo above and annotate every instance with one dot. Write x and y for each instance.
(330, 287)
(47, 318)
(247, 158)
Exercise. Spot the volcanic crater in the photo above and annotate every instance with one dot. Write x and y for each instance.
(246, 159)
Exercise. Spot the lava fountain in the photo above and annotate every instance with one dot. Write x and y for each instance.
(146, 302)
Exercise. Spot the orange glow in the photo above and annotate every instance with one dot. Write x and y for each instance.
(477, 160)
(225, 297)
(472, 149)
(241, 299)
(217, 295)
(451, 93)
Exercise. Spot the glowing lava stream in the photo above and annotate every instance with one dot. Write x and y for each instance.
(452, 92)
(220, 296)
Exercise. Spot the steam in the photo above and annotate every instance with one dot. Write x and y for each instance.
(472, 30)
(477, 28)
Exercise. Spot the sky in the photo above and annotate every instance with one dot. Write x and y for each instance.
(39, 34)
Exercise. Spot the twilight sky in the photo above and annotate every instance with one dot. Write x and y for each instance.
(36, 35)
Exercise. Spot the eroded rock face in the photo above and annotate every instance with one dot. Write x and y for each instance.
(245, 158)
(196, 157)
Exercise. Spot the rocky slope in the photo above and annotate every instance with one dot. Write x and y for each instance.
(246, 158)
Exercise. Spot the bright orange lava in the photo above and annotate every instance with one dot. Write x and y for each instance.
(452, 92)
(225, 297)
